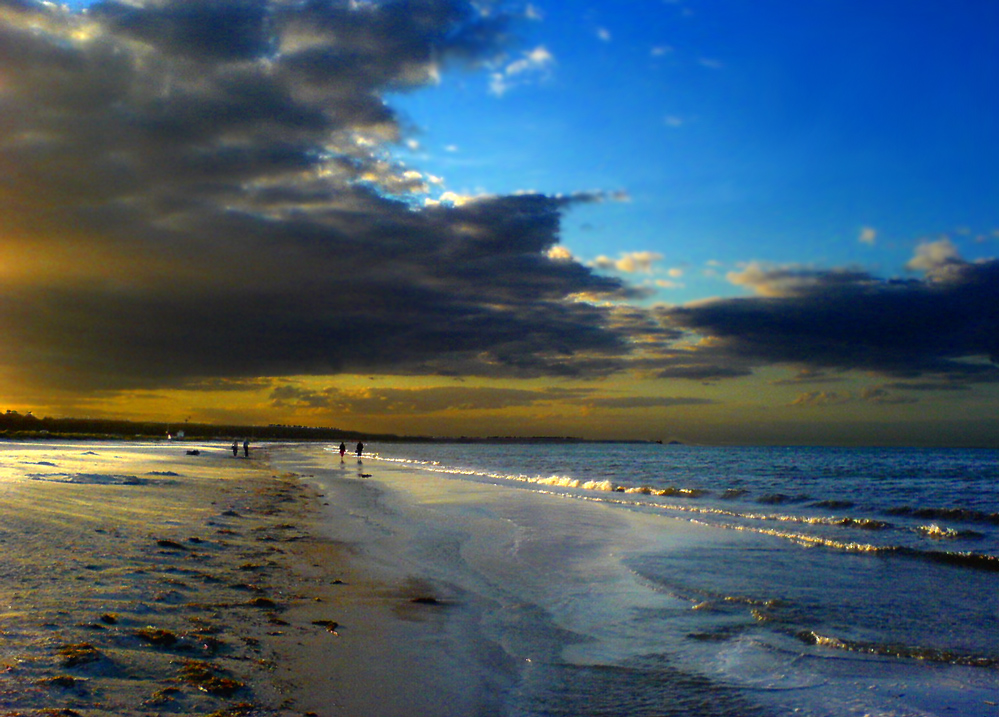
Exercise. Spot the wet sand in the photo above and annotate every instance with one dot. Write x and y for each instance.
(407, 643)
(137, 579)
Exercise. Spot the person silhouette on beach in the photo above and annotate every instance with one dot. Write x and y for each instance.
(246, 449)
(343, 449)
(235, 449)
(360, 448)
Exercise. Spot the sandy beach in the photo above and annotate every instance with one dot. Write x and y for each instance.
(142, 579)
(173, 578)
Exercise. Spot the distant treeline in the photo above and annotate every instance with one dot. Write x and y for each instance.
(14, 425)
(26, 425)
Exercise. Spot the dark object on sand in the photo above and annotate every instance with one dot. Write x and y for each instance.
(426, 600)
(171, 544)
(65, 681)
(205, 677)
(330, 625)
(78, 654)
(195, 452)
(262, 602)
(156, 636)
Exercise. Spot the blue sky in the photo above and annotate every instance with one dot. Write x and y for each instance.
(773, 131)
(719, 222)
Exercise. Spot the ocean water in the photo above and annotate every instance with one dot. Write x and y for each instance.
(624, 579)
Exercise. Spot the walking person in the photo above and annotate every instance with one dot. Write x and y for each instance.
(343, 449)
(235, 448)
(246, 448)
(360, 448)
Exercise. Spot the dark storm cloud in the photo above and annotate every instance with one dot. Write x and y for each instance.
(398, 401)
(219, 30)
(200, 190)
(851, 320)
(630, 402)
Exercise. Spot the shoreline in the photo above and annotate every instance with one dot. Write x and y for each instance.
(406, 642)
(139, 579)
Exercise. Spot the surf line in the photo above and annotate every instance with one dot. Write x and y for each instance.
(976, 561)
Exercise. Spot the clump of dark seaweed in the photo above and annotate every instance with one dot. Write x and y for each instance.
(156, 636)
(330, 625)
(263, 602)
(170, 545)
(65, 681)
(80, 653)
(206, 678)
(162, 698)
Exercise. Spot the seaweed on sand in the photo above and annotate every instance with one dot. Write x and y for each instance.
(80, 653)
(206, 678)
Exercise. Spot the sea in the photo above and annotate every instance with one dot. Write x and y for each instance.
(646, 579)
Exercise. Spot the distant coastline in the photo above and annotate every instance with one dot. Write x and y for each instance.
(26, 426)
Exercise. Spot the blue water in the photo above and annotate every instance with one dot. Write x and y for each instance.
(932, 501)
(818, 581)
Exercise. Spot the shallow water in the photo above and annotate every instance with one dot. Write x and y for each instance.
(641, 579)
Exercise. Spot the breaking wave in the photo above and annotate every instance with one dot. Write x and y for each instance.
(733, 509)
(930, 654)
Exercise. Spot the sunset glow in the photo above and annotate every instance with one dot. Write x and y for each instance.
(724, 223)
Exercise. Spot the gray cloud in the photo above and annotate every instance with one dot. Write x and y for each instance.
(417, 401)
(199, 193)
(842, 320)
(201, 189)
(629, 402)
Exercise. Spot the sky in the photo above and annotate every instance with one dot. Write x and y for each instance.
(711, 221)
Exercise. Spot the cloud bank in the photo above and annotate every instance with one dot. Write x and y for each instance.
(198, 191)
(945, 324)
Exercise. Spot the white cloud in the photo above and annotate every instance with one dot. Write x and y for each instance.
(933, 255)
(560, 253)
(630, 262)
(868, 235)
(603, 34)
(453, 199)
(533, 66)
